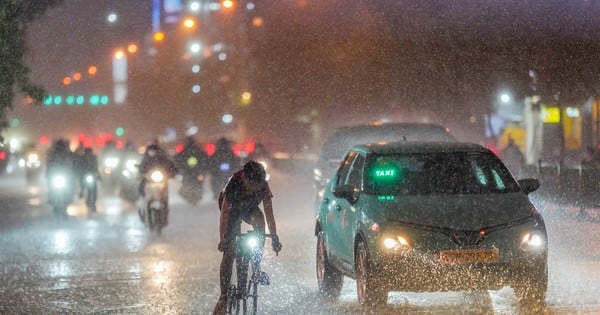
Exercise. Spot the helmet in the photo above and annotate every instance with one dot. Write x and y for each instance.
(152, 150)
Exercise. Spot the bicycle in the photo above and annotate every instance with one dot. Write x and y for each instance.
(242, 287)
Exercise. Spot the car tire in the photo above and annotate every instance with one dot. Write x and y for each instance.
(530, 290)
(370, 291)
(329, 279)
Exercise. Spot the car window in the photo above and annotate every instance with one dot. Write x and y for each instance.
(438, 173)
(345, 167)
(356, 172)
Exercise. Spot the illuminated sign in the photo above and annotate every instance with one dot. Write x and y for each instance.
(551, 115)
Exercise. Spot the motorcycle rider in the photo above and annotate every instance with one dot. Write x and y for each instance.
(192, 163)
(239, 201)
(61, 158)
(88, 166)
(191, 149)
(221, 165)
(155, 156)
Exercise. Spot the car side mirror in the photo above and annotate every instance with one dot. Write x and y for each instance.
(346, 191)
(529, 185)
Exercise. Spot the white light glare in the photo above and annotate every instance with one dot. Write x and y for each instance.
(253, 242)
(194, 6)
(157, 176)
(196, 68)
(532, 240)
(195, 48)
(395, 243)
(196, 89)
(227, 118)
(59, 181)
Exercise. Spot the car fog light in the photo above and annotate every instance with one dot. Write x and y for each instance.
(395, 243)
(532, 241)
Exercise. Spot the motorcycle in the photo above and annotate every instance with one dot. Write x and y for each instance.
(155, 208)
(33, 167)
(192, 180)
(90, 185)
(60, 190)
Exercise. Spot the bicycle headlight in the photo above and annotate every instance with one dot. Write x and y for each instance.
(157, 176)
(532, 241)
(252, 242)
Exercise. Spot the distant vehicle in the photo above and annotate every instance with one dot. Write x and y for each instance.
(4, 157)
(343, 138)
(429, 216)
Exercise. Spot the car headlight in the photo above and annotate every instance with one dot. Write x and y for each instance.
(157, 176)
(532, 241)
(396, 243)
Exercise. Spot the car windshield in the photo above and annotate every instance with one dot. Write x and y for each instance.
(437, 173)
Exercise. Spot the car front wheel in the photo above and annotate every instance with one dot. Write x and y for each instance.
(370, 292)
(330, 280)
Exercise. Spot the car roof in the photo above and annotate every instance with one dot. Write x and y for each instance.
(418, 147)
(343, 138)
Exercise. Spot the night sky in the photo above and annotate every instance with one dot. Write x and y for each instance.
(360, 57)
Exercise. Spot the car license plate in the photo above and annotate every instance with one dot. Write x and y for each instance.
(465, 256)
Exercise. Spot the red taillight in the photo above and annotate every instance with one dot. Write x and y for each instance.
(2, 155)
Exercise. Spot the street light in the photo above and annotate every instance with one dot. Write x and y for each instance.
(228, 4)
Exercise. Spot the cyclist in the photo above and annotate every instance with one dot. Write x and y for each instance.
(240, 200)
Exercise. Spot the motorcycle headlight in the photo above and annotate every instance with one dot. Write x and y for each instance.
(59, 181)
(533, 241)
(157, 176)
(224, 167)
(89, 179)
(111, 162)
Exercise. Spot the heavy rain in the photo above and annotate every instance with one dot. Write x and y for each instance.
(436, 157)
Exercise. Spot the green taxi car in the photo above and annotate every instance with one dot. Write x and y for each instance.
(429, 216)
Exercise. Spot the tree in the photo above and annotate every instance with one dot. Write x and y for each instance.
(15, 15)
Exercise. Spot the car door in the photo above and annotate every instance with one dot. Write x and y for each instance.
(350, 214)
(334, 221)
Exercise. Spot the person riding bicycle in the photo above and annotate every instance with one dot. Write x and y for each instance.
(240, 200)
